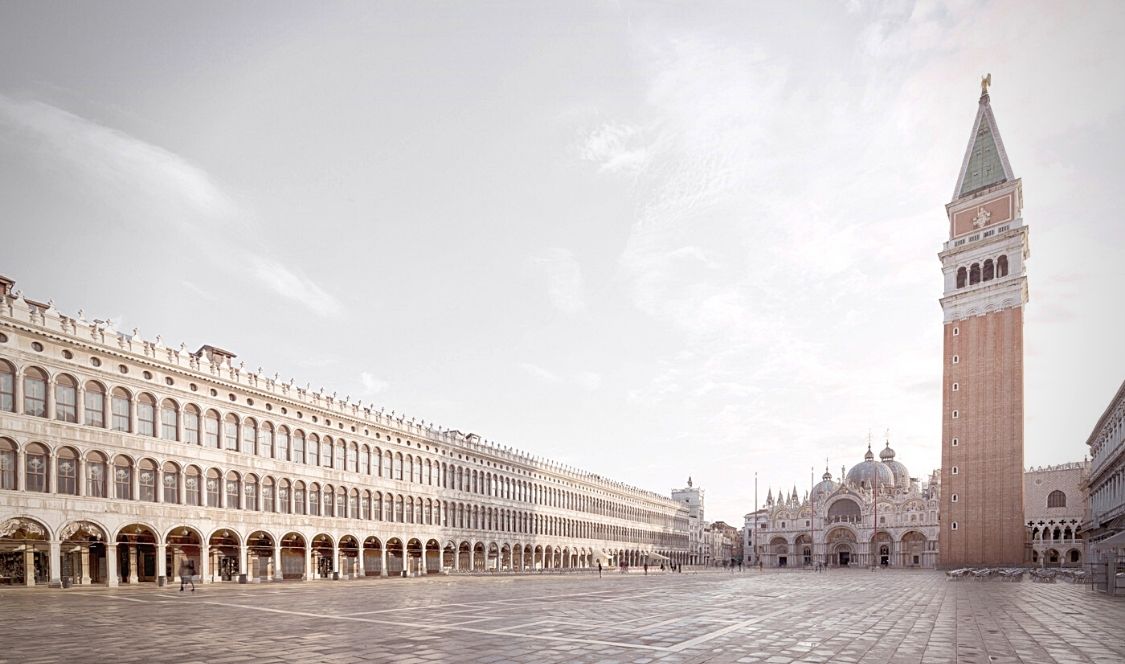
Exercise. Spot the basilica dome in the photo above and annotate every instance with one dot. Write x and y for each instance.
(901, 474)
(825, 487)
(871, 471)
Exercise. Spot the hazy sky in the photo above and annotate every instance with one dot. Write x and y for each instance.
(648, 240)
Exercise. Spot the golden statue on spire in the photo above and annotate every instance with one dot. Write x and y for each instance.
(985, 81)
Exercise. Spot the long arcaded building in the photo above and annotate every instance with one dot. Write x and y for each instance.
(123, 460)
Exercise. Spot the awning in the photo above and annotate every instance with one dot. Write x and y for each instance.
(652, 555)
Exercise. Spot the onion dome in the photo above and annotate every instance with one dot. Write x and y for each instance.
(825, 487)
(871, 472)
(901, 474)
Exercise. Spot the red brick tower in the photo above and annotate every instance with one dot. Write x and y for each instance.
(982, 391)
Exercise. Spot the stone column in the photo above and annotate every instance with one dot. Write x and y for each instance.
(244, 559)
(162, 562)
(205, 563)
(360, 566)
(472, 563)
(80, 405)
(336, 556)
(84, 556)
(134, 578)
(52, 473)
(136, 482)
(112, 564)
(18, 392)
(180, 424)
(21, 463)
(80, 475)
(50, 398)
(181, 486)
(54, 563)
(278, 574)
(383, 560)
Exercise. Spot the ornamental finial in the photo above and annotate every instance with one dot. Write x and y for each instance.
(985, 81)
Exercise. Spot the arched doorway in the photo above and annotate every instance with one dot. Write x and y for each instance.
(396, 557)
(323, 565)
(464, 557)
(779, 548)
(414, 553)
(433, 557)
(912, 549)
(882, 547)
(349, 557)
(259, 554)
(803, 549)
(372, 556)
(293, 562)
(225, 552)
(83, 553)
(841, 547)
(136, 554)
(182, 551)
(24, 552)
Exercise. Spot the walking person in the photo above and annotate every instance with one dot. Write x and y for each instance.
(646, 568)
(187, 571)
(599, 569)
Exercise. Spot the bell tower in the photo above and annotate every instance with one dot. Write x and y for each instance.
(984, 265)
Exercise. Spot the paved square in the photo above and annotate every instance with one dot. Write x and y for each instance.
(775, 617)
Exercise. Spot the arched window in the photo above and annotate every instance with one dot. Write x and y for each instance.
(171, 483)
(66, 399)
(169, 419)
(96, 474)
(299, 446)
(265, 440)
(146, 415)
(1056, 499)
(267, 495)
(211, 430)
(1002, 266)
(249, 434)
(192, 494)
(299, 504)
(282, 450)
(94, 404)
(66, 472)
(120, 405)
(366, 506)
(35, 392)
(283, 495)
(326, 452)
(35, 468)
(214, 486)
(398, 465)
(989, 270)
(387, 459)
(353, 458)
(7, 387)
(353, 504)
(974, 274)
(191, 424)
(378, 506)
(365, 460)
(234, 491)
(314, 450)
(329, 496)
(147, 480)
(123, 478)
(398, 509)
(314, 498)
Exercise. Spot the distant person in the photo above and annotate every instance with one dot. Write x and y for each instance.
(646, 569)
(599, 569)
(187, 571)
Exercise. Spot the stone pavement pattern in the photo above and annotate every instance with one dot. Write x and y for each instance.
(838, 616)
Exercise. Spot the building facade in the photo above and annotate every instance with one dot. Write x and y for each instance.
(691, 498)
(1105, 528)
(984, 265)
(125, 460)
(876, 514)
(753, 525)
(1056, 511)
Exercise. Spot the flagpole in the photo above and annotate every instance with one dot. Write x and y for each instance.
(754, 524)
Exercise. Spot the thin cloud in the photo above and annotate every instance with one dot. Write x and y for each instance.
(299, 288)
(114, 158)
(587, 380)
(372, 385)
(564, 279)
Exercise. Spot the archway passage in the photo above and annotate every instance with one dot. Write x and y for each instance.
(322, 546)
(414, 552)
(136, 554)
(224, 555)
(349, 557)
(182, 553)
(82, 552)
(433, 557)
(912, 549)
(372, 556)
(396, 557)
(841, 547)
(293, 561)
(24, 552)
(259, 554)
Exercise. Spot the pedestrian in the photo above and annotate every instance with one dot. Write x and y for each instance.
(599, 569)
(759, 565)
(646, 568)
(187, 571)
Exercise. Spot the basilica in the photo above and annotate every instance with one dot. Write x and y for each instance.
(876, 514)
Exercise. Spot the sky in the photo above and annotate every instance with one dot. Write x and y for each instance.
(648, 240)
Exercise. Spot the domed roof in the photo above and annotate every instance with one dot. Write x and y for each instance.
(825, 487)
(870, 472)
(901, 474)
